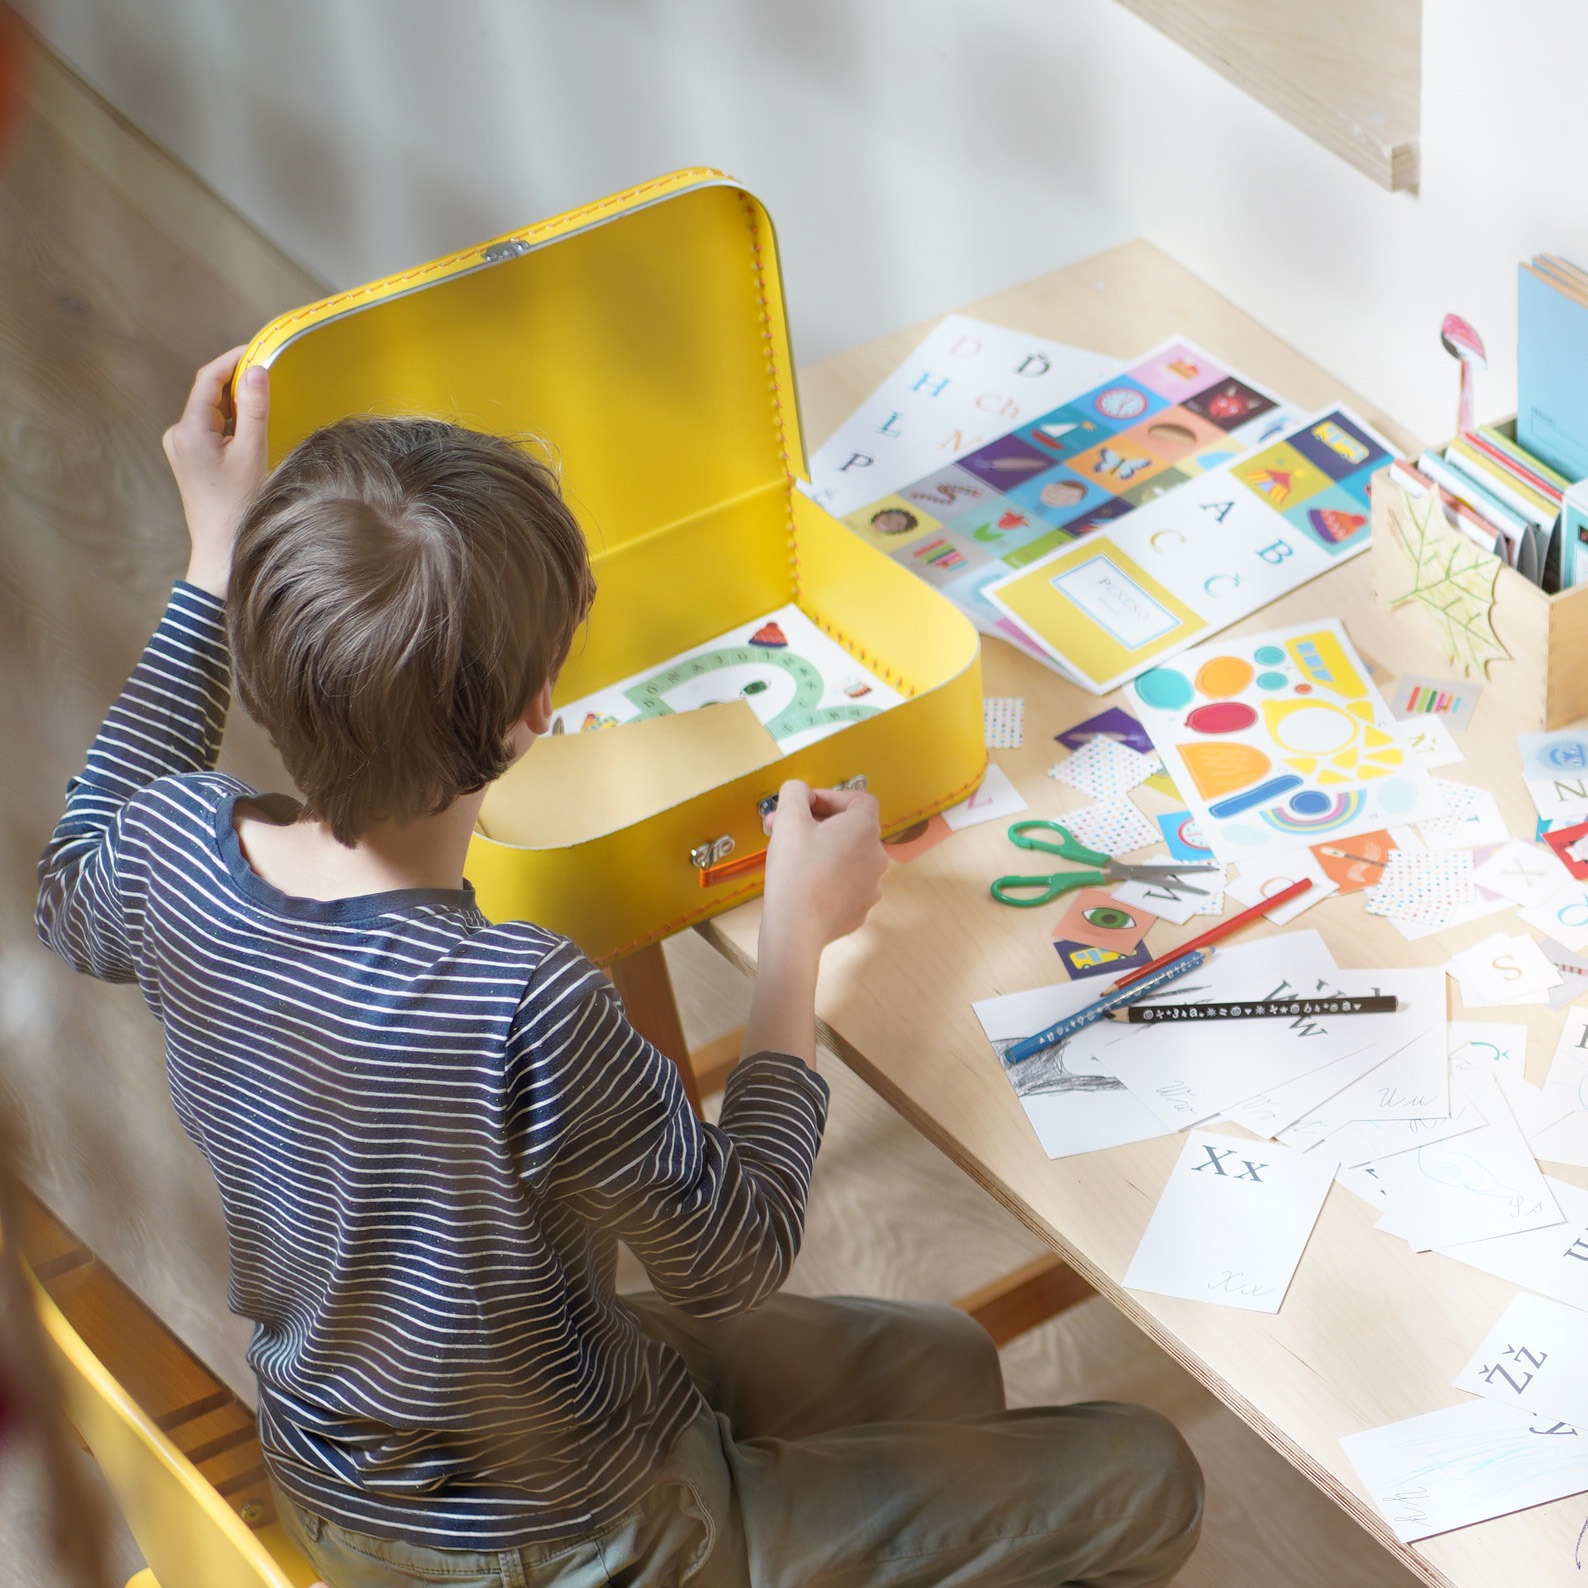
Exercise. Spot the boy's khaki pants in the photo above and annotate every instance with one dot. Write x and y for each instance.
(851, 1443)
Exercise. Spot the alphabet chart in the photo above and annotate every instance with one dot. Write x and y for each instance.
(1280, 739)
(968, 383)
(1025, 491)
(1199, 557)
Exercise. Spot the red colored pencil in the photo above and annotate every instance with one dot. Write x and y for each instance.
(1215, 934)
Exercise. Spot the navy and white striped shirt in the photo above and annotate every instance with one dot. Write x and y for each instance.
(429, 1133)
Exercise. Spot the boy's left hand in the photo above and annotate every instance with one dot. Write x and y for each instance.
(218, 458)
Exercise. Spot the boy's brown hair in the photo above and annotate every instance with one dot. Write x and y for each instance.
(401, 589)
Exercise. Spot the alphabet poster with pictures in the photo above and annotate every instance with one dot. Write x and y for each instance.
(1196, 559)
(1059, 475)
(967, 383)
(1232, 1222)
(1280, 739)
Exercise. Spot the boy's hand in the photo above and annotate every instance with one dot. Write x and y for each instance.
(218, 458)
(824, 865)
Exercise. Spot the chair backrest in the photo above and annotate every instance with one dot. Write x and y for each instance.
(189, 1535)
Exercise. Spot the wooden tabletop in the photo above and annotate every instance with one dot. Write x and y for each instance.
(1369, 1332)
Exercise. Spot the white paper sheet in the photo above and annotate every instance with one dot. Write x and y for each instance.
(1479, 1184)
(1367, 1140)
(1464, 1464)
(1413, 1081)
(1550, 1262)
(1188, 1073)
(1535, 1357)
(996, 797)
(1523, 873)
(1232, 1222)
(1503, 969)
(1074, 1104)
(1265, 875)
(1488, 1045)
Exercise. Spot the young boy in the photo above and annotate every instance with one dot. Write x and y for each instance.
(430, 1132)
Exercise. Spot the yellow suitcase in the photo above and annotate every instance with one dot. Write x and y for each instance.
(643, 338)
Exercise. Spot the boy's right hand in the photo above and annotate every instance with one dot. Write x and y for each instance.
(824, 864)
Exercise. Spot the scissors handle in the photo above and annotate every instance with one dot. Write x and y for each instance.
(1027, 892)
(1068, 847)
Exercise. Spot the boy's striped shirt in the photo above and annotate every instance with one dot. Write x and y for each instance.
(429, 1133)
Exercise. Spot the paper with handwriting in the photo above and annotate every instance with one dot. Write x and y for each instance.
(1465, 1464)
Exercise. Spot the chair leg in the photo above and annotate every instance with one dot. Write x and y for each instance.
(1025, 1298)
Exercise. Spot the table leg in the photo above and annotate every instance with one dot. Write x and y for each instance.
(647, 993)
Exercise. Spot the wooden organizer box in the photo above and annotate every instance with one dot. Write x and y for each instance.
(643, 340)
(1542, 681)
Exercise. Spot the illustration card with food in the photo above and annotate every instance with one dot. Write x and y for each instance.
(1212, 551)
(800, 684)
(1281, 739)
(1094, 460)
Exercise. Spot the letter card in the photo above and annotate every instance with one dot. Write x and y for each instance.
(1232, 1222)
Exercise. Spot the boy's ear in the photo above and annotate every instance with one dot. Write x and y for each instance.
(538, 718)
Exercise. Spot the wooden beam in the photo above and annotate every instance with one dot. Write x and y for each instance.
(713, 1061)
(647, 993)
(1026, 1297)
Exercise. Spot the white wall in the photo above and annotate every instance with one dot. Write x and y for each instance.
(915, 153)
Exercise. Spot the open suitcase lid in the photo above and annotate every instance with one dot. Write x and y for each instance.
(644, 337)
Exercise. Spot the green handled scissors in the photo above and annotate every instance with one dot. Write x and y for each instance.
(1026, 892)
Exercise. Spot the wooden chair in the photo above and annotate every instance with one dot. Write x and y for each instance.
(191, 1534)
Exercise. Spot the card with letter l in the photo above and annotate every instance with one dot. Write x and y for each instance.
(1232, 1222)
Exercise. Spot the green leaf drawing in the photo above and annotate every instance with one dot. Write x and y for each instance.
(1452, 580)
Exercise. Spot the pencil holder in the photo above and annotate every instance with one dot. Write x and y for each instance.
(1458, 612)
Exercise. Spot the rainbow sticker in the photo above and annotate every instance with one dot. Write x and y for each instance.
(1311, 812)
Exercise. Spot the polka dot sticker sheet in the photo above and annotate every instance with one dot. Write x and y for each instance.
(1004, 721)
(1114, 826)
(1281, 740)
(1422, 887)
(1104, 768)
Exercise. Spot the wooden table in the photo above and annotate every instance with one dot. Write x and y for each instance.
(1369, 1332)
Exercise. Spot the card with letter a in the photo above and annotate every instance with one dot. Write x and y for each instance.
(1200, 556)
(1232, 1222)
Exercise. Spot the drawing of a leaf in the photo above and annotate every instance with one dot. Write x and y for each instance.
(1452, 580)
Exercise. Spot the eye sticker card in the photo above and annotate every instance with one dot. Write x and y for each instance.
(1281, 740)
(1232, 1222)
(1095, 917)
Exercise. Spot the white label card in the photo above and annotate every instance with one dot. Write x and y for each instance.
(1535, 1357)
(1232, 1222)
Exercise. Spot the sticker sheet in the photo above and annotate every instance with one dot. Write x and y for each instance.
(1036, 480)
(801, 684)
(1280, 740)
(1003, 719)
(966, 384)
(1200, 557)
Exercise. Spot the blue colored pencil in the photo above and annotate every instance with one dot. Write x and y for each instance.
(1029, 1047)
